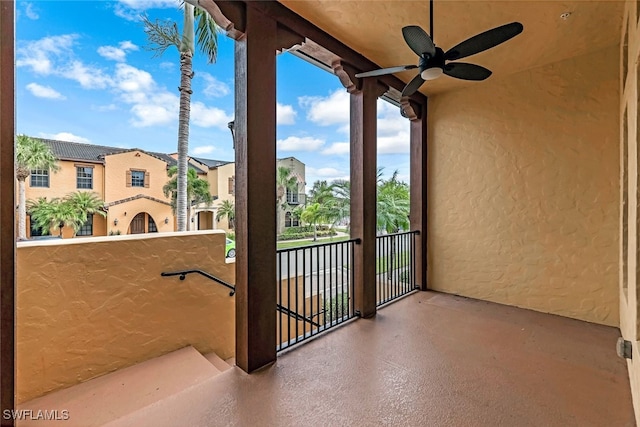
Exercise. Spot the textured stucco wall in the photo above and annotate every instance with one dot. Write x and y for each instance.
(630, 196)
(116, 167)
(64, 181)
(125, 212)
(523, 189)
(86, 307)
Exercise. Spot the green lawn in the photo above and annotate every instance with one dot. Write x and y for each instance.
(402, 259)
(287, 245)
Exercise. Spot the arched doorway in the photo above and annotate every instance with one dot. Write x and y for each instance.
(142, 223)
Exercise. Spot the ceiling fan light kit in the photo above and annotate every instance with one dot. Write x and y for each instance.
(433, 61)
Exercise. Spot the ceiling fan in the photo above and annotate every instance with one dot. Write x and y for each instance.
(432, 59)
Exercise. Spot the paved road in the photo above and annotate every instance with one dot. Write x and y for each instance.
(308, 260)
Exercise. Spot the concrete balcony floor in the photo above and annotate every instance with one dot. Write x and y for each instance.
(429, 360)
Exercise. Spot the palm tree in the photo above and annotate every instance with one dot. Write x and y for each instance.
(162, 35)
(392, 211)
(313, 214)
(30, 154)
(284, 181)
(54, 215)
(197, 189)
(227, 209)
(42, 212)
(85, 203)
(72, 211)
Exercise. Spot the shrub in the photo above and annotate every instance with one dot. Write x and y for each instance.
(307, 235)
(336, 307)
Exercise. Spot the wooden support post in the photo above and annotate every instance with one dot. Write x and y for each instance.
(7, 209)
(255, 137)
(363, 190)
(417, 114)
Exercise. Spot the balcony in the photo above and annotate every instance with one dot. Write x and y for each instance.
(427, 359)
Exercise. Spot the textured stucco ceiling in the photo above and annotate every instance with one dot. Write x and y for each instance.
(373, 28)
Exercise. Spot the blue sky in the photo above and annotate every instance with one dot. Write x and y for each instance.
(84, 75)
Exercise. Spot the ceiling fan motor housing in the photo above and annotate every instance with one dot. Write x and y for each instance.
(427, 61)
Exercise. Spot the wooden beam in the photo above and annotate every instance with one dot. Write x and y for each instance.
(7, 208)
(255, 138)
(417, 114)
(363, 191)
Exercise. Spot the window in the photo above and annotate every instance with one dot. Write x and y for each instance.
(137, 179)
(232, 185)
(84, 177)
(39, 178)
(292, 196)
(87, 227)
(291, 220)
(153, 228)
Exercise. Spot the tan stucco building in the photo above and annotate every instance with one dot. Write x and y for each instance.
(130, 182)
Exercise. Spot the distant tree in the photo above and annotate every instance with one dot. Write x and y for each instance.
(72, 211)
(313, 214)
(227, 210)
(86, 203)
(392, 213)
(197, 189)
(30, 154)
(163, 35)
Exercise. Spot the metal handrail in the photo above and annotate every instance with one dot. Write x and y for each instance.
(298, 316)
(357, 241)
(183, 275)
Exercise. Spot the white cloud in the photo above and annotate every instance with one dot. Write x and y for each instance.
(118, 54)
(337, 148)
(285, 114)
(44, 91)
(295, 143)
(327, 111)
(132, 80)
(393, 130)
(150, 104)
(166, 65)
(39, 55)
(103, 108)
(66, 136)
(31, 12)
(206, 117)
(328, 174)
(88, 77)
(214, 88)
(205, 149)
(131, 9)
(151, 114)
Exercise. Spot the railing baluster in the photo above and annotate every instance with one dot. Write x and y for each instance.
(334, 297)
(396, 255)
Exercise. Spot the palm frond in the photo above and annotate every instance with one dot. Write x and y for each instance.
(207, 35)
(161, 35)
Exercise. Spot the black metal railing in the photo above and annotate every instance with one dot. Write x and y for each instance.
(395, 266)
(183, 275)
(315, 290)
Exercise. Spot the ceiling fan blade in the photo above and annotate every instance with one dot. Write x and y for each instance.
(384, 71)
(418, 40)
(413, 86)
(484, 41)
(464, 71)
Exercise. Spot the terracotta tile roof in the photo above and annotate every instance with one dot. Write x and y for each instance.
(65, 150)
(210, 162)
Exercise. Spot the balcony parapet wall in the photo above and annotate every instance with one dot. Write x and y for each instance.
(89, 306)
